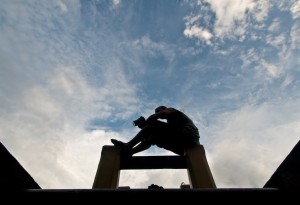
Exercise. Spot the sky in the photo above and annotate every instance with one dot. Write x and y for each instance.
(75, 74)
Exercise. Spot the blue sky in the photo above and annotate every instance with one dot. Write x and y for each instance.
(75, 74)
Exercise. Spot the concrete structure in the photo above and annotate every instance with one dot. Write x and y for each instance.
(17, 185)
(287, 175)
(112, 162)
(13, 176)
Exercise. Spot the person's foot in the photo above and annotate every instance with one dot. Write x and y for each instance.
(117, 143)
(122, 145)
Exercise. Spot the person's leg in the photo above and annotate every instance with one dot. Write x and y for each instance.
(139, 147)
(169, 138)
(141, 140)
(141, 135)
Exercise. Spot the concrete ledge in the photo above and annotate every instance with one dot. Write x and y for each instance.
(138, 196)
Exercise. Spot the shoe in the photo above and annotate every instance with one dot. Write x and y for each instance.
(124, 149)
(117, 143)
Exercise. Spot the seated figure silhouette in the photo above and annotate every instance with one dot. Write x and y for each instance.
(176, 134)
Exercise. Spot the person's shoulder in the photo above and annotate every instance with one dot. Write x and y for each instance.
(171, 109)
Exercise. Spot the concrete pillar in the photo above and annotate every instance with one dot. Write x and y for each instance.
(198, 169)
(108, 171)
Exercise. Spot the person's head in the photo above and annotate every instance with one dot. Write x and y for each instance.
(160, 108)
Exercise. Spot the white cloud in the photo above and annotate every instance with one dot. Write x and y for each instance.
(288, 80)
(275, 25)
(198, 32)
(233, 19)
(276, 41)
(259, 139)
(146, 43)
(62, 5)
(249, 57)
(116, 2)
(51, 124)
(228, 12)
(39, 101)
(262, 67)
(295, 36)
(261, 10)
(295, 9)
(190, 20)
(272, 69)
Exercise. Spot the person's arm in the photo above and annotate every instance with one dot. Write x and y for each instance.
(161, 115)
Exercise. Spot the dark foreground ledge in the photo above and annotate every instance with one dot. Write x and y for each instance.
(146, 196)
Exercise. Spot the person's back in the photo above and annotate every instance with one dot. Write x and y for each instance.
(180, 120)
(180, 132)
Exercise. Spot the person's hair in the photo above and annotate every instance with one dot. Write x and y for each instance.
(159, 108)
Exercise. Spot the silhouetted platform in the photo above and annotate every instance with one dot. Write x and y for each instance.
(18, 186)
(153, 196)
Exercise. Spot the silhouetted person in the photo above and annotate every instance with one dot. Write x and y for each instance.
(174, 135)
